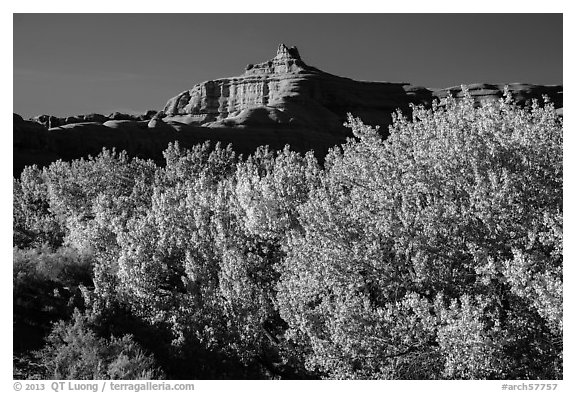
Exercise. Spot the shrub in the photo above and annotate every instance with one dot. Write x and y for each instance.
(73, 351)
(47, 285)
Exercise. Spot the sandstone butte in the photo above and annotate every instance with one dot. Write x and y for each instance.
(277, 102)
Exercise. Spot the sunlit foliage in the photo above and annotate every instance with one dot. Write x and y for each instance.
(433, 254)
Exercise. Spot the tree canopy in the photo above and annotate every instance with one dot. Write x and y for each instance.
(435, 253)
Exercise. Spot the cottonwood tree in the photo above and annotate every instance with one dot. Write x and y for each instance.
(453, 226)
(204, 258)
(34, 224)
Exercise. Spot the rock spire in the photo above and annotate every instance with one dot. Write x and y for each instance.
(285, 53)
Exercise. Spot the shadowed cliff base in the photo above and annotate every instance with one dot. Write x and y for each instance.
(33, 144)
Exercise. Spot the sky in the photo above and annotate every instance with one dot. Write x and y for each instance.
(69, 64)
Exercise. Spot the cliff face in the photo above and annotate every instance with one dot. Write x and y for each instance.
(304, 94)
(287, 91)
(265, 84)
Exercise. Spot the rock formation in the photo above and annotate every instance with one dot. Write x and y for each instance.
(286, 91)
(521, 92)
(276, 102)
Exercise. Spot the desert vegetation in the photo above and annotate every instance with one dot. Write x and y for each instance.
(435, 253)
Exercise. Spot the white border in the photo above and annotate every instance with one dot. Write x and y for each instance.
(259, 6)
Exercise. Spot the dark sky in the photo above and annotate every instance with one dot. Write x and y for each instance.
(67, 64)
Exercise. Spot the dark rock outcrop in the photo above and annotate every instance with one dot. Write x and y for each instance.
(95, 117)
(49, 121)
(52, 121)
(29, 142)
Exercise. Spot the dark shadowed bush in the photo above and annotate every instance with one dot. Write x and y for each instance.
(73, 351)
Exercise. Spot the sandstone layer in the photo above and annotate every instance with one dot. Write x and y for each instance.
(286, 91)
